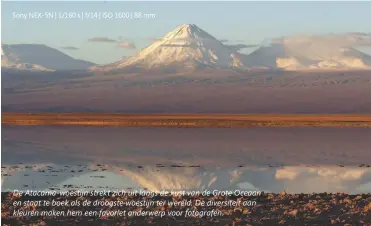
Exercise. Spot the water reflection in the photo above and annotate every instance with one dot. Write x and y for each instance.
(267, 159)
(292, 179)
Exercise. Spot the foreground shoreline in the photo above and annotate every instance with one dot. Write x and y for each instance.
(270, 209)
(186, 120)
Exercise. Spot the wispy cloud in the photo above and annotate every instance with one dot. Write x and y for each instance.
(101, 39)
(223, 40)
(69, 48)
(238, 47)
(127, 45)
(347, 40)
(229, 40)
(360, 33)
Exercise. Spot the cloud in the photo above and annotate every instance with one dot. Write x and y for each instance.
(121, 43)
(238, 47)
(69, 48)
(127, 45)
(360, 33)
(101, 39)
(322, 179)
(223, 40)
(228, 40)
(347, 40)
(251, 46)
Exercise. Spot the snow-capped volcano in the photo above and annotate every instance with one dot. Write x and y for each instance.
(188, 46)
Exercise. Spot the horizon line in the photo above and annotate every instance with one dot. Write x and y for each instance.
(180, 1)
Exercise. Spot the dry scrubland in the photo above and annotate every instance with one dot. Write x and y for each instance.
(185, 120)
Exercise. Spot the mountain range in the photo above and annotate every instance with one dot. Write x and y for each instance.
(38, 57)
(189, 48)
(313, 52)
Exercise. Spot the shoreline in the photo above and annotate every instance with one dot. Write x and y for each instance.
(186, 120)
(266, 209)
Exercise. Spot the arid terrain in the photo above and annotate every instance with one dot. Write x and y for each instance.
(271, 209)
(206, 91)
(268, 98)
(183, 120)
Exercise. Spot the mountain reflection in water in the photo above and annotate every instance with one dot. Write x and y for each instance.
(267, 159)
(292, 179)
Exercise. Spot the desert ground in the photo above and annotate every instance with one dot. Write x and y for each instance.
(184, 120)
(271, 209)
(207, 91)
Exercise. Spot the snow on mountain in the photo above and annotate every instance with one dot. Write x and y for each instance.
(186, 47)
(189, 47)
(10, 61)
(5, 63)
(38, 57)
(312, 52)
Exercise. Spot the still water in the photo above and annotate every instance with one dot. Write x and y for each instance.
(297, 160)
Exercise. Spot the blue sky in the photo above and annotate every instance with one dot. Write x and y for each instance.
(240, 22)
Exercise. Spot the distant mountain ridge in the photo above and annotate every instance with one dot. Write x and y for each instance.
(312, 52)
(38, 57)
(190, 47)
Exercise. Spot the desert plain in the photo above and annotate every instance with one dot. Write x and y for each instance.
(185, 120)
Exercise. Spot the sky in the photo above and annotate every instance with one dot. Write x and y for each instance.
(238, 22)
